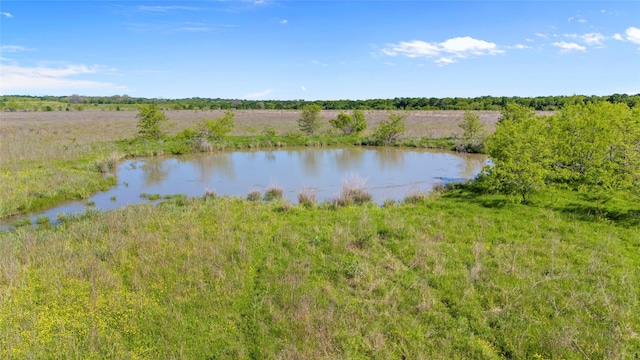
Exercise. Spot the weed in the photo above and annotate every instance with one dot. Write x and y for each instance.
(91, 203)
(307, 198)
(353, 192)
(273, 192)
(254, 195)
(209, 194)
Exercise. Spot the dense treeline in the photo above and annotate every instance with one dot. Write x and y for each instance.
(540, 103)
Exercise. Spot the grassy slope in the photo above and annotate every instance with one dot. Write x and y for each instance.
(459, 276)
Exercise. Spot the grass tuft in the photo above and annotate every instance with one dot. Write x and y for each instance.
(273, 192)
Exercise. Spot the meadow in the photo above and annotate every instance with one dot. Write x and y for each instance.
(452, 274)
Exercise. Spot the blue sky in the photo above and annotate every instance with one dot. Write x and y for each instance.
(319, 49)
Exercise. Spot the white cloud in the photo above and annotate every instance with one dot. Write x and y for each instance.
(13, 48)
(521, 46)
(460, 47)
(444, 61)
(568, 47)
(164, 9)
(618, 37)
(259, 94)
(412, 49)
(633, 35)
(15, 77)
(569, 19)
(316, 62)
(582, 21)
(6, 14)
(594, 38)
(284, 21)
(303, 88)
(544, 36)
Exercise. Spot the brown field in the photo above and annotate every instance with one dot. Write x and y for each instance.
(31, 135)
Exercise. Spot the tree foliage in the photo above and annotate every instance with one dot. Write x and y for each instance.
(470, 123)
(350, 124)
(220, 127)
(388, 131)
(519, 153)
(596, 145)
(150, 121)
(592, 145)
(309, 121)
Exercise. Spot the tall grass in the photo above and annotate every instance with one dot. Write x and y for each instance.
(455, 277)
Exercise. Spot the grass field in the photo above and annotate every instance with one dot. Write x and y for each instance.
(440, 276)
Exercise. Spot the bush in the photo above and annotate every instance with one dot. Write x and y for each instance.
(307, 198)
(350, 124)
(219, 128)
(273, 193)
(389, 131)
(310, 118)
(150, 121)
(254, 195)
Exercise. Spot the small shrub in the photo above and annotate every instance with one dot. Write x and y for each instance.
(91, 203)
(389, 203)
(415, 197)
(209, 194)
(439, 187)
(113, 198)
(23, 222)
(254, 195)
(273, 193)
(307, 198)
(354, 192)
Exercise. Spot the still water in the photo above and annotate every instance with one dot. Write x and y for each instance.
(389, 173)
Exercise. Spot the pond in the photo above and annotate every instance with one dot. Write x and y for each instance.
(387, 173)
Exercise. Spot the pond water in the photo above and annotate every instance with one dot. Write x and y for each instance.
(388, 173)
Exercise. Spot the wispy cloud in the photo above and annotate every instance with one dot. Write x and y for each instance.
(284, 21)
(38, 78)
(566, 47)
(303, 88)
(446, 51)
(592, 39)
(165, 9)
(316, 62)
(633, 35)
(6, 14)
(259, 94)
(13, 48)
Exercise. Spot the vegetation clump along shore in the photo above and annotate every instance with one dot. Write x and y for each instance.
(538, 258)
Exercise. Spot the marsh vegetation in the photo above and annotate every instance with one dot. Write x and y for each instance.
(469, 271)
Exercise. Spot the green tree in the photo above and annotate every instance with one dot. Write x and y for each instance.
(519, 152)
(388, 131)
(596, 144)
(220, 127)
(350, 124)
(150, 121)
(309, 121)
(470, 123)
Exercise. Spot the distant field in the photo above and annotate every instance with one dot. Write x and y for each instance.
(114, 125)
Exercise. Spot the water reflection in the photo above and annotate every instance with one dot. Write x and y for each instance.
(390, 174)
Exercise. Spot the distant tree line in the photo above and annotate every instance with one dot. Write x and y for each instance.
(540, 103)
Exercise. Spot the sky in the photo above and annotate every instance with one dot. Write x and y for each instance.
(319, 50)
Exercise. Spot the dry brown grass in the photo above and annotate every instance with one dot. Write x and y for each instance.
(30, 136)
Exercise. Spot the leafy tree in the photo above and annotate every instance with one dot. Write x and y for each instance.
(596, 144)
(309, 121)
(220, 127)
(350, 124)
(150, 121)
(519, 152)
(470, 123)
(388, 131)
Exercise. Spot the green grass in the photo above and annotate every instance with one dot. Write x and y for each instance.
(452, 276)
